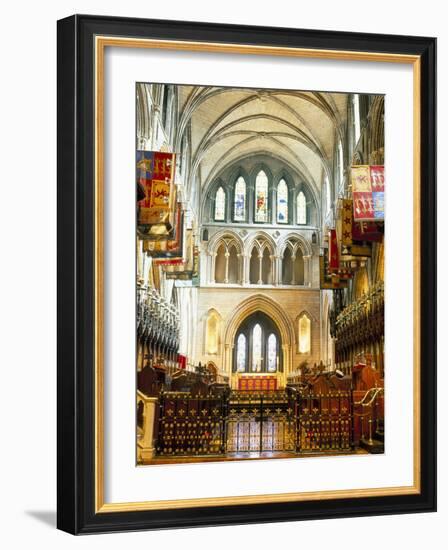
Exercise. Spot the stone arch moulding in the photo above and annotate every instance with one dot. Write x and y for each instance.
(308, 313)
(296, 238)
(217, 239)
(274, 311)
(263, 236)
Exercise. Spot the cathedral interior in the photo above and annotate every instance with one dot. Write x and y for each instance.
(260, 273)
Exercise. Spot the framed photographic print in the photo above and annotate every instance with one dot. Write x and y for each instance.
(246, 274)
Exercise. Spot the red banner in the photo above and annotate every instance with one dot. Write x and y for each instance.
(333, 252)
(368, 192)
(155, 173)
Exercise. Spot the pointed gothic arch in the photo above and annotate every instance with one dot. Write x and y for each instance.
(268, 306)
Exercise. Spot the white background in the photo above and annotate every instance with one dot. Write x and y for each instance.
(126, 483)
(28, 273)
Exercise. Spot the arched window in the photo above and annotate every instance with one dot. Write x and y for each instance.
(257, 345)
(257, 356)
(301, 208)
(272, 353)
(282, 202)
(304, 334)
(220, 205)
(241, 354)
(239, 212)
(261, 197)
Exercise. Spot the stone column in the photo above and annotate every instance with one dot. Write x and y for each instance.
(155, 125)
(306, 270)
(260, 269)
(212, 267)
(246, 269)
(273, 270)
(226, 275)
(286, 349)
(240, 269)
(277, 275)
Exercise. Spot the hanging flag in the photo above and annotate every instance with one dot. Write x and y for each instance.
(368, 192)
(186, 270)
(171, 249)
(329, 281)
(346, 216)
(333, 252)
(368, 231)
(346, 230)
(155, 176)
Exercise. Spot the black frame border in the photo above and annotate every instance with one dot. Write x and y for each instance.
(76, 263)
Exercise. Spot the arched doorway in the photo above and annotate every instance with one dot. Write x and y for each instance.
(257, 346)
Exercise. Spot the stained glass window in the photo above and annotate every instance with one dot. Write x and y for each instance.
(241, 353)
(220, 205)
(301, 208)
(282, 202)
(256, 348)
(272, 353)
(239, 213)
(261, 197)
(304, 334)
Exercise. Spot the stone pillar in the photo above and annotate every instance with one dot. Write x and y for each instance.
(240, 269)
(245, 269)
(287, 367)
(307, 270)
(155, 126)
(212, 267)
(260, 269)
(226, 275)
(145, 445)
(276, 274)
(227, 366)
(293, 269)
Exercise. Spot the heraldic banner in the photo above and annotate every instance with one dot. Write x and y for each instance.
(368, 192)
(155, 178)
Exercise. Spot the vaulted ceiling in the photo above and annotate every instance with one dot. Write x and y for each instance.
(227, 124)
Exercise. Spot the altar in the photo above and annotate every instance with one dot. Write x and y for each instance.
(264, 382)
